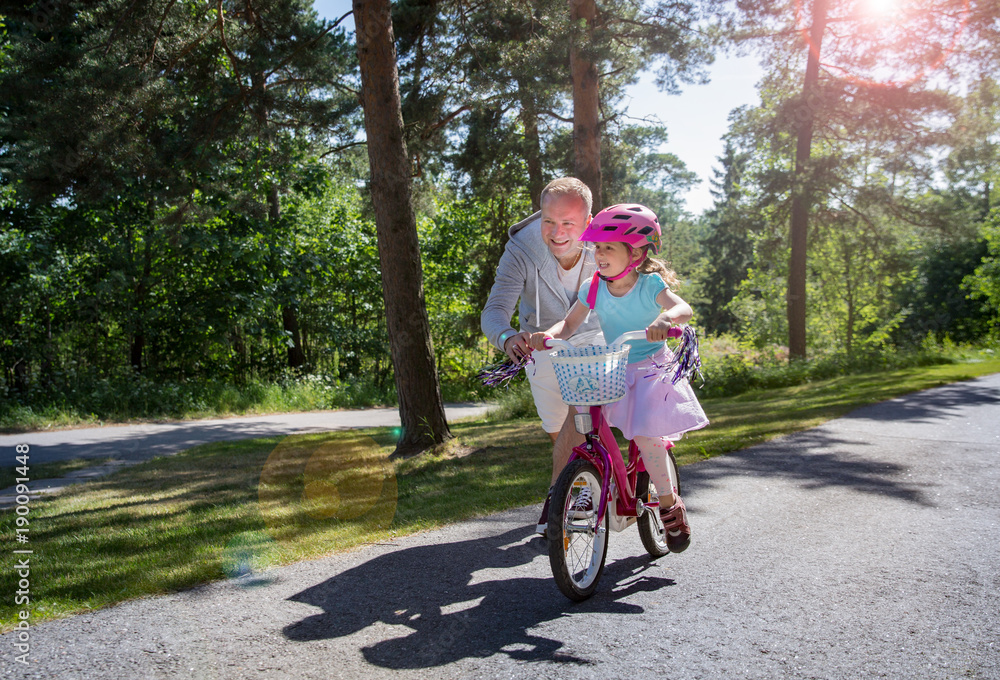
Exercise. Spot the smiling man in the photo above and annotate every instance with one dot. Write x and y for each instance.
(543, 265)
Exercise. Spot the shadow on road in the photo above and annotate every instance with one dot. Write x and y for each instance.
(815, 459)
(445, 610)
(930, 405)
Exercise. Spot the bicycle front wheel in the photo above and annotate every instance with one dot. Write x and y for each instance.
(654, 538)
(577, 545)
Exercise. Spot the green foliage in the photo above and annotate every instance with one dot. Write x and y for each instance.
(984, 282)
(75, 397)
(514, 402)
(162, 99)
(182, 203)
(759, 308)
(936, 302)
(727, 244)
(735, 372)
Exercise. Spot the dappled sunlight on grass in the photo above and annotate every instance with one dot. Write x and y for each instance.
(233, 509)
(319, 479)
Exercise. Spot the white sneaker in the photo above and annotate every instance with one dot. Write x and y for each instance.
(584, 506)
(543, 521)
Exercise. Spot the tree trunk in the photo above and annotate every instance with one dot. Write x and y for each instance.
(136, 348)
(142, 287)
(289, 310)
(586, 105)
(848, 255)
(20, 371)
(421, 410)
(290, 322)
(801, 191)
(532, 145)
(240, 350)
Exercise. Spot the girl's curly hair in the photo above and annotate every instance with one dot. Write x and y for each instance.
(652, 265)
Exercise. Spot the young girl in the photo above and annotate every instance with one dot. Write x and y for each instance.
(630, 291)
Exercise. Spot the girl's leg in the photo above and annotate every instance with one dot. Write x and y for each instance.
(654, 457)
(672, 510)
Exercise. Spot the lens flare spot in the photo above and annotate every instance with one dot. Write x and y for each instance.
(323, 498)
(246, 553)
(315, 482)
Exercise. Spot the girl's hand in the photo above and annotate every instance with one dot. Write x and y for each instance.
(537, 341)
(657, 331)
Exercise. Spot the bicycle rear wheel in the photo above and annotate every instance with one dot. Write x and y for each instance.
(577, 545)
(654, 538)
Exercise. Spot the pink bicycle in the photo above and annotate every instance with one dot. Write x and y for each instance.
(597, 490)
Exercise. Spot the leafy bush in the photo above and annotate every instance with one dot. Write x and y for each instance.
(515, 402)
(74, 398)
(734, 371)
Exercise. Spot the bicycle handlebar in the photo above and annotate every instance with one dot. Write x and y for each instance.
(674, 332)
(555, 343)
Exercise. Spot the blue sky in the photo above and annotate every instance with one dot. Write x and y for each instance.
(696, 119)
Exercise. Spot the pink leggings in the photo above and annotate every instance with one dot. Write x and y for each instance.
(654, 457)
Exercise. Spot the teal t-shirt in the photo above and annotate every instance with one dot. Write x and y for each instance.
(631, 312)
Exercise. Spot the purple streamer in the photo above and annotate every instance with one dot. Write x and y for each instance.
(685, 361)
(500, 374)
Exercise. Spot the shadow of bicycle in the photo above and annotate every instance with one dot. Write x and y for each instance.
(433, 605)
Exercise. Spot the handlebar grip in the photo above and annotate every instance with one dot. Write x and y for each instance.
(629, 335)
(674, 332)
(554, 343)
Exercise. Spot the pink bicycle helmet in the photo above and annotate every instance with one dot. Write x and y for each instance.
(629, 223)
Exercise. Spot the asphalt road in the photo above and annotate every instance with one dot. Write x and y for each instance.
(867, 547)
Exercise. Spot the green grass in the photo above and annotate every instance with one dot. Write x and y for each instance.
(227, 509)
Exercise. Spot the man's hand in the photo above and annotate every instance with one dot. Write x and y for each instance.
(516, 346)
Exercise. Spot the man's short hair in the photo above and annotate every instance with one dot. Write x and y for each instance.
(569, 186)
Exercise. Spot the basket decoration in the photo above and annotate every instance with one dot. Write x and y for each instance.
(592, 375)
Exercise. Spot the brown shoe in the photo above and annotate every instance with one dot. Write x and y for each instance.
(675, 523)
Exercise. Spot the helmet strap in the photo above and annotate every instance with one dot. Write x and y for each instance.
(592, 293)
(629, 268)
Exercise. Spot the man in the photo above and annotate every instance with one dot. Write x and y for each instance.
(544, 264)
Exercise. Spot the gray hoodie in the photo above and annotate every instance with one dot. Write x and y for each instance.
(527, 270)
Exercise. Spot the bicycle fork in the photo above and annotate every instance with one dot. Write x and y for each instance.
(601, 449)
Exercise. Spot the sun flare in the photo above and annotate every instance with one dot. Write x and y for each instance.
(881, 8)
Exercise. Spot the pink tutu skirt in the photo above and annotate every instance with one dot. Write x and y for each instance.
(652, 407)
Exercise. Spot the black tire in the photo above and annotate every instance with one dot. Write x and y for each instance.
(577, 546)
(654, 538)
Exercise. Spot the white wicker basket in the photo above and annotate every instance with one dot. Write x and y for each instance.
(592, 375)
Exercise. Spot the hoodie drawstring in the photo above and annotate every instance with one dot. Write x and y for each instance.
(538, 311)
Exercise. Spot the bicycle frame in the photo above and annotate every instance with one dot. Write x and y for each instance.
(601, 449)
